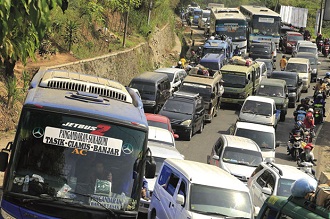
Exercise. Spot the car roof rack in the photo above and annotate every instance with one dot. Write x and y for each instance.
(185, 94)
(275, 167)
(85, 84)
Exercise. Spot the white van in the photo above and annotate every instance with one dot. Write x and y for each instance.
(159, 153)
(263, 135)
(188, 189)
(303, 68)
(258, 109)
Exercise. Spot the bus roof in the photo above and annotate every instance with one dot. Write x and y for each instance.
(228, 13)
(238, 68)
(259, 10)
(85, 95)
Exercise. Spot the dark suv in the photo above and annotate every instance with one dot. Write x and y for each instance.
(186, 113)
(293, 84)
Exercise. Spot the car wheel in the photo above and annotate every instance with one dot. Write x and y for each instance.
(201, 128)
(189, 135)
(282, 117)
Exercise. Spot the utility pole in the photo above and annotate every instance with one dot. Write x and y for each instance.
(320, 18)
(126, 24)
(149, 12)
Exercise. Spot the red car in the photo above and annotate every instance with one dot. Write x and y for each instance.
(289, 41)
(161, 122)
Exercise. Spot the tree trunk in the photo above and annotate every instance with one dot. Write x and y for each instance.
(9, 67)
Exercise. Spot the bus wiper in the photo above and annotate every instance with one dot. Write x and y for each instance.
(113, 214)
(48, 198)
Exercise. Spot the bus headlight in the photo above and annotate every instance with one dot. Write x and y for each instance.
(186, 122)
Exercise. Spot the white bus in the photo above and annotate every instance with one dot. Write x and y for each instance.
(264, 24)
(232, 23)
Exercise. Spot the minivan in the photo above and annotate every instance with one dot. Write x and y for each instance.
(293, 83)
(213, 61)
(263, 50)
(303, 68)
(263, 135)
(154, 89)
(189, 189)
(175, 75)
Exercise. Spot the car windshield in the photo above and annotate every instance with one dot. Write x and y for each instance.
(295, 37)
(242, 156)
(284, 187)
(234, 28)
(169, 75)
(289, 81)
(78, 159)
(215, 201)
(260, 48)
(158, 124)
(145, 89)
(233, 80)
(307, 49)
(178, 106)
(265, 140)
(296, 67)
(270, 91)
(266, 25)
(197, 12)
(203, 90)
(312, 60)
(257, 107)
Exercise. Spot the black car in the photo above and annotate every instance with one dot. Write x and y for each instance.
(293, 84)
(186, 113)
(269, 64)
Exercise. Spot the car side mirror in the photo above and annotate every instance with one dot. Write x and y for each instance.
(266, 191)
(246, 81)
(180, 199)
(256, 210)
(286, 95)
(314, 159)
(277, 144)
(176, 136)
(3, 160)
(212, 95)
(150, 168)
(319, 63)
(215, 157)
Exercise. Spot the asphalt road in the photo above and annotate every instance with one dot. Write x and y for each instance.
(201, 144)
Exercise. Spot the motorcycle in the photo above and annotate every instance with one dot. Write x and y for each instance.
(309, 135)
(325, 50)
(295, 145)
(318, 113)
(320, 45)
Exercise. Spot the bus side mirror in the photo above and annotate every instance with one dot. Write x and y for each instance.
(150, 170)
(3, 160)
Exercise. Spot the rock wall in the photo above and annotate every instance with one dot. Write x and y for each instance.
(124, 65)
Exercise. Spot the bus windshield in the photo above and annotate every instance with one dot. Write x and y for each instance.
(233, 80)
(76, 159)
(266, 25)
(236, 29)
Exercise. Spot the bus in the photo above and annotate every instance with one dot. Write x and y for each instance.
(232, 23)
(80, 150)
(264, 24)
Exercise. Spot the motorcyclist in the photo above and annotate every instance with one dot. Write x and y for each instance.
(179, 65)
(309, 119)
(302, 104)
(320, 87)
(317, 40)
(297, 130)
(319, 99)
(307, 156)
(307, 35)
(237, 51)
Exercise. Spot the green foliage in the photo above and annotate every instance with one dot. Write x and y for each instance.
(26, 80)
(70, 33)
(23, 24)
(12, 91)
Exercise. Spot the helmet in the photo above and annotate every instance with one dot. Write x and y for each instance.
(212, 37)
(179, 63)
(307, 100)
(298, 124)
(302, 101)
(319, 96)
(309, 146)
(327, 74)
(311, 110)
(283, 56)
